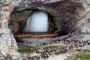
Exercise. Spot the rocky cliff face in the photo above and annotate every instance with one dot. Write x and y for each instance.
(84, 20)
(8, 44)
(84, 17)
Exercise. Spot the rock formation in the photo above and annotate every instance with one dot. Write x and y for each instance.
(84, 20)
(66, 10)
(8, 45)
(7, 42)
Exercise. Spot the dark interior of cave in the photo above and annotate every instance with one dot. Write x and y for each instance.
(62, 32)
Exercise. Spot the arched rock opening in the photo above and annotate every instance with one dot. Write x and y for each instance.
(19, 19)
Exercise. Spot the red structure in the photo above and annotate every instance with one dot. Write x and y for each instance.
(35, 35)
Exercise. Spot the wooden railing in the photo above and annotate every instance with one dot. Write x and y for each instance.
(38, 35)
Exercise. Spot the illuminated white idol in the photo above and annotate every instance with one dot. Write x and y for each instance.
(38, 22)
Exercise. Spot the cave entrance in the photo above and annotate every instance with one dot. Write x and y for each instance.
(19, 20)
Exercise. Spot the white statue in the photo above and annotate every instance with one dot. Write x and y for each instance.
(38, 22)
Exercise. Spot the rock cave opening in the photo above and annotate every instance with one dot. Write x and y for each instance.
(26, 22)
